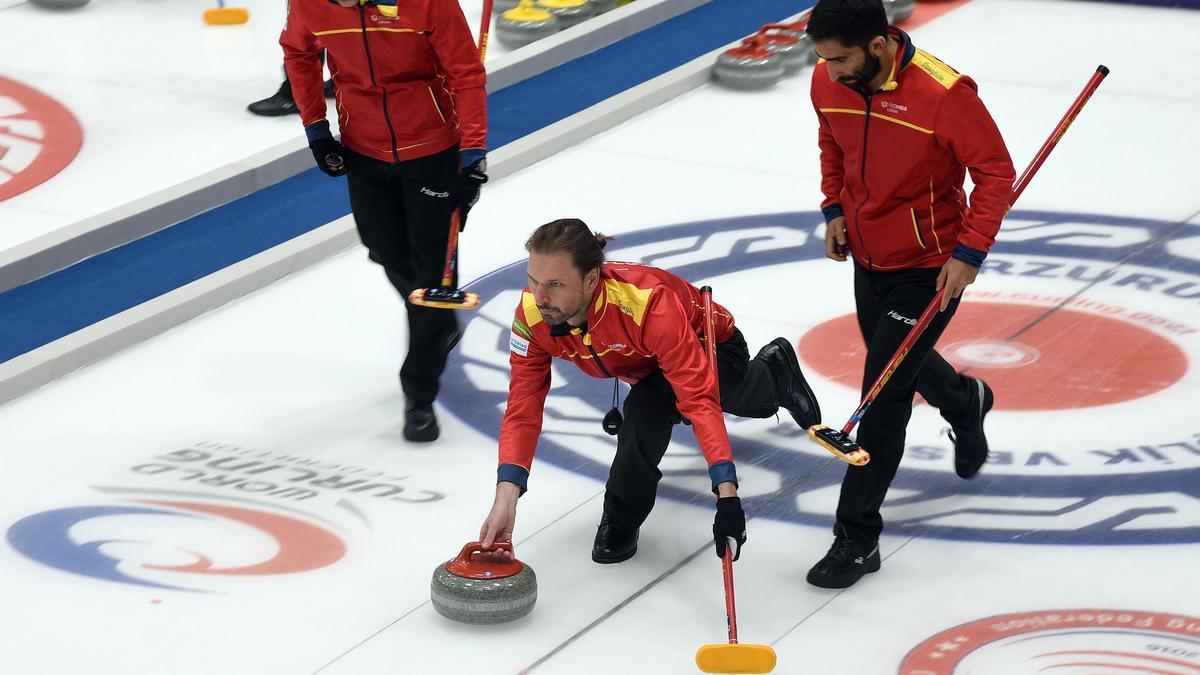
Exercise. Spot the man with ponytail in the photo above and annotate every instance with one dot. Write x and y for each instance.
(642, 325)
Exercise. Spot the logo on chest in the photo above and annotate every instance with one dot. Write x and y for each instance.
(893, 107)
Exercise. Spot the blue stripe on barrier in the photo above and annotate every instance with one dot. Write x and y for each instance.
(59, 304)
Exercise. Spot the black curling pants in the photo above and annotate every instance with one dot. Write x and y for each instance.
(747, 390)
(888, 304)
(402, 211)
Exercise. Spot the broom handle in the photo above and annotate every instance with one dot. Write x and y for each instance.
(710, 346)
(730, 609)
(484, 26)
(452, 243)
(1018, 188)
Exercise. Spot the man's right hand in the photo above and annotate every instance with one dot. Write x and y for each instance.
(499, 524)
(835, 239)
(329, 154)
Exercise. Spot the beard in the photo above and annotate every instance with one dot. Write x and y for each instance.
(555, 315)
(870, 68)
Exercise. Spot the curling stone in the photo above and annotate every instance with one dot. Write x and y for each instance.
(751, 66)
(502, 6)
(796, 30)
(479, 588)
(901, 10)
(60, 4)
(525, 24)
(602, 6)
(793, 51)
(568, 12)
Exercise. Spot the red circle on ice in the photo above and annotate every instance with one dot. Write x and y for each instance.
(38, 138)
(1055, 362)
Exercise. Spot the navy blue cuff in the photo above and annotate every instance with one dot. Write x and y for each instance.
(722, 472)
(318, 130)
(515, 474)
(468, 156)
(832, 211)
(969, 255)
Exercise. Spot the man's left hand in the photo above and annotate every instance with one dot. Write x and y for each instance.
(956, 275)
(471, 178)
(729, 526)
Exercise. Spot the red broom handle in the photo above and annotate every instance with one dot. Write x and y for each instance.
(710, 346)
(730, 609)
(484, 27)
(1063, 125)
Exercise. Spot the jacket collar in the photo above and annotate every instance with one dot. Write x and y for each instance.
(904, 55)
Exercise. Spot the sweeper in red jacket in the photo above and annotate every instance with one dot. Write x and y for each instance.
(411, 108)
(898, 131)
(642, 325)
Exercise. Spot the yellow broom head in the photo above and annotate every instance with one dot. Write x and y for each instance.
(226, 16)
(736, 658)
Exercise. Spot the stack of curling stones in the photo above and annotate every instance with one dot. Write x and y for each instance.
(778, 49)
(764, 58)
(480, 588)
(524, 24)
(524, 21)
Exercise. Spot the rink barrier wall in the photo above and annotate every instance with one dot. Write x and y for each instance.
(302, 219)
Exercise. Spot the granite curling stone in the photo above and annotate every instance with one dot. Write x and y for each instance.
(502, 6)
(524, 25)
(602, 6)
(791, 50)
(60, 4)
(479, 588)
(751, 66)
(568, 12)
(901, 10)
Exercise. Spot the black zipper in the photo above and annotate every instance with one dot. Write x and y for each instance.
(387, 118)
(597, 358)
(863, 176)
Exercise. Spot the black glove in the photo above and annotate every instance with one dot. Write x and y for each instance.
(729, 524)
(328, 153)
(471, 176)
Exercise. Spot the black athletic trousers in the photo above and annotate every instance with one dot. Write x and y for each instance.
(402, 211)
(888, 304)
(747, 390)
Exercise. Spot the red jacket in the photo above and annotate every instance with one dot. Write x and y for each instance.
(893, 163)
(641, 319)
(408, 86)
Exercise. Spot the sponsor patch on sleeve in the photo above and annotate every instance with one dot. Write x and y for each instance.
(518, 345)
(521, 329)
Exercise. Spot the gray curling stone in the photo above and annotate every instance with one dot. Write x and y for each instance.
(525, 24)
(751, 66)
(796, 30)
(792, 50)
(602, 6)
(568, 12)
(502, 6)
(60, 4)
(478, 588)
(901, 10)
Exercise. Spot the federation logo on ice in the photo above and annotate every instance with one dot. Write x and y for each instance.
(1076, 640)
(38, 138)
(1090, 442)
(164, 542)
(213, 516)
